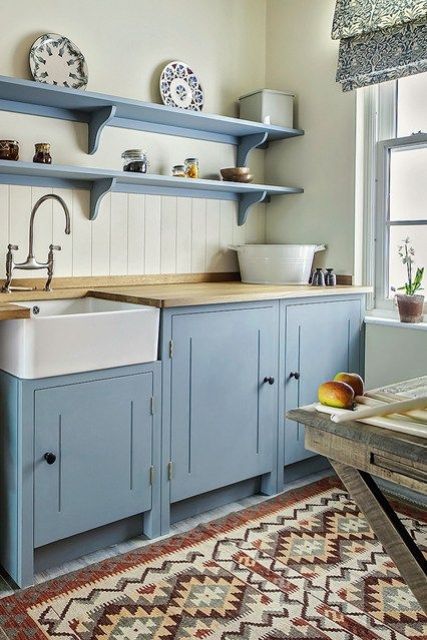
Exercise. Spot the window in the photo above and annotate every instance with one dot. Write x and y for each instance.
(407, 207)
(396, 165)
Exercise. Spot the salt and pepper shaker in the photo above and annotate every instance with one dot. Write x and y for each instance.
(330, 278)
(318, 278)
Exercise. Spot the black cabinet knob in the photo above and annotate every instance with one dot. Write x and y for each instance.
(50, 458)
(270, 380)
(295, 374)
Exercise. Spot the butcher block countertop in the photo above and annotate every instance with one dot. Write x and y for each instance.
(166, 294)
(11, 311)
(185, 295)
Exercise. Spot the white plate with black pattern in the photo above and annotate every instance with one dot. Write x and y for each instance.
(180, 87)
(54, 59)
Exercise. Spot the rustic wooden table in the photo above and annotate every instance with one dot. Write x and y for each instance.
(359, 451)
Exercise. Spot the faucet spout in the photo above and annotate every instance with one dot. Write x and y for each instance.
(32, 216)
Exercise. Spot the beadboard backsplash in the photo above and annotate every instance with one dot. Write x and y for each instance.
(133, 234)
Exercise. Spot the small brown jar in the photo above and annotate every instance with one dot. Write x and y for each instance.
(42, 154)
(9, 150)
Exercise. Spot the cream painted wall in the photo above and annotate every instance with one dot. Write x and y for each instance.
(394, 353)
(126, 44)
(300, 56)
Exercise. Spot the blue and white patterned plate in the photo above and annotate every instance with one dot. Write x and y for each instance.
(180, 87)
(54, 59)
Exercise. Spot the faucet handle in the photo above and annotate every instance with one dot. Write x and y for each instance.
(52, 248)
(9, 267)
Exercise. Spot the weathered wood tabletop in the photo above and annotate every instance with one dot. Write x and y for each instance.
(359, 451)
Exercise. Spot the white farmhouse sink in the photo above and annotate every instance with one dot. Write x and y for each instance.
(67, 336)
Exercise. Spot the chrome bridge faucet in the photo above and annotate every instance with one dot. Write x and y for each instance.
(31, 263)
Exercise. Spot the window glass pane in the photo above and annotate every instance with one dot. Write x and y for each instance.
(418, 236)
(408, 184)
(412, 104)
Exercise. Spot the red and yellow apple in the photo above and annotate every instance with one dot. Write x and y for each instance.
(354, 380)
(336, 394)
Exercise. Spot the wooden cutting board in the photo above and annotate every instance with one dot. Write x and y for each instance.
(414, 424)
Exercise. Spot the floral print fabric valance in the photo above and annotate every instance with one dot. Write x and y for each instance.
(379, 40)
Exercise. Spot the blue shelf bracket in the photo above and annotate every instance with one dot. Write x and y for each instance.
(247, 201)
(246, 144)
(98, 120)
(97, 192)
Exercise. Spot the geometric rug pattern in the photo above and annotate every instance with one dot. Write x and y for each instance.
(302, 565)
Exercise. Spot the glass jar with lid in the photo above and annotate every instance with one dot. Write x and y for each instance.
(135, 160)
(178, 171)
(192, 168)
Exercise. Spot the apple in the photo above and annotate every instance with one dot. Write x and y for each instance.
(336, 394)
(354, 380)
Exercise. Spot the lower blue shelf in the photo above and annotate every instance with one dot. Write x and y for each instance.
(101, 181)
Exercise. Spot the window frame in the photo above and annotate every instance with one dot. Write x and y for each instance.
(383, 222)
(376, 138)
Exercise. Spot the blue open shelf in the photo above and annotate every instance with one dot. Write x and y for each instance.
(99, 110)
(101, 181)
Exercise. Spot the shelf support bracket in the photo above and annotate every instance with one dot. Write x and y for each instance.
(98, 120)
(98, 191)
(246, 202)
(246, 144)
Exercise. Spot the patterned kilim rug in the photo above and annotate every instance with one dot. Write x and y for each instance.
(303, 565)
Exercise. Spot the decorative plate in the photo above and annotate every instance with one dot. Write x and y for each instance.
(180, 87)
(54, 59)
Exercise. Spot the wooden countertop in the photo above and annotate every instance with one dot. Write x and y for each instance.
(166, 295)
(10, 311)
(184, 295)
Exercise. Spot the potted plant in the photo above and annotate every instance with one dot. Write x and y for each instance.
(410, 303)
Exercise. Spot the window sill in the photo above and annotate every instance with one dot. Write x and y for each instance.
(391, 319)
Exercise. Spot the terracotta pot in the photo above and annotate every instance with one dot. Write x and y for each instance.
(410, 307)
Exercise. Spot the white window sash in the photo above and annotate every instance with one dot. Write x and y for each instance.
(383, 222)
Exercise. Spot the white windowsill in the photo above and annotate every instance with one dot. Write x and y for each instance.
(391, 319)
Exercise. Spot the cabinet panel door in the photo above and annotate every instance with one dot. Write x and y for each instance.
(101, 435)
(223, 416)
(321, 340)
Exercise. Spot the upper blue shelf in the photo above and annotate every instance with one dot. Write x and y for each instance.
(99, 110)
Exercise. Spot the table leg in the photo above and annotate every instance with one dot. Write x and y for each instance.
(388, 528)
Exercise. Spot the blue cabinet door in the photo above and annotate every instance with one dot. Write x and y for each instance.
(321, 339)
(100, 433)
(223, 416)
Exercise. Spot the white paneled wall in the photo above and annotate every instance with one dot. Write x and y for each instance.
(133, 234)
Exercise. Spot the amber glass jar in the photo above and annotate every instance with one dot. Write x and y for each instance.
(42, 154)
(9, 150)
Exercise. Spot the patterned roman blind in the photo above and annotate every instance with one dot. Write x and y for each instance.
(379, 40)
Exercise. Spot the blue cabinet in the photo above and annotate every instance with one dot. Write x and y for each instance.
(82, 452)
(98, 437)
(220, 395)
(319, 339)
(79, 452)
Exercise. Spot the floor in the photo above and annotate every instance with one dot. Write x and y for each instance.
(7, 588)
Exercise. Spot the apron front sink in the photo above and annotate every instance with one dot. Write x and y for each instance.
(70, 336)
